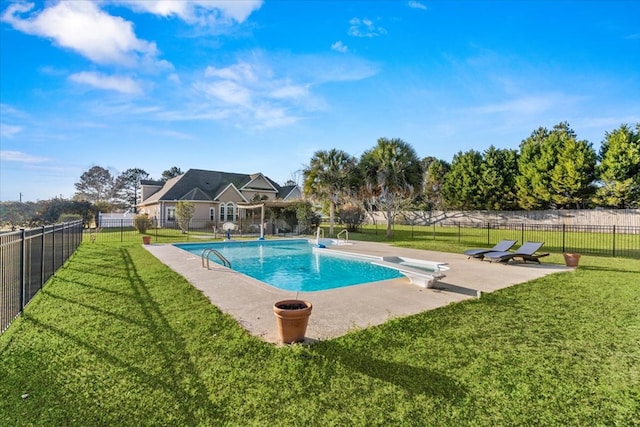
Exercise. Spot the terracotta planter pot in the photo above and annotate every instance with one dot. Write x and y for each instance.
(146, 240)
(292, 316)
(571, 260)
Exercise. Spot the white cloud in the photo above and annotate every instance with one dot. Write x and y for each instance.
(240, 72)
(175, 134)
(365, 28)
(202, 12)
(290, 91)
(81, 26)
(6, 109)
(416, 5)
(606, 122)
(262, 91)
(9, 131)
(274, 117)
(17, 156)
(227, 91)
(339, 47)
(253, 93)
(527, 105)
(119, 84)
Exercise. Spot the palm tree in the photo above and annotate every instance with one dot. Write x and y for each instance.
(330, 175)
(393, 173)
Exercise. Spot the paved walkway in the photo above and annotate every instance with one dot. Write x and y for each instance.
(338, 311)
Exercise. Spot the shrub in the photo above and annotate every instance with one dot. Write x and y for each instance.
(306, 217)
(69, 217)
(352, 216)
(184, 213)
(141, 222)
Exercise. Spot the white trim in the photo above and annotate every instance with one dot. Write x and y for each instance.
(217, 198)
(296, 188)
(255, 178)
(171, 208)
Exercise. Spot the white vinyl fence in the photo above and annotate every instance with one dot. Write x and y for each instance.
(594, 217)
(107, 220)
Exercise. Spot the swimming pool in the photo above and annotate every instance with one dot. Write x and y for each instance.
(295, 265)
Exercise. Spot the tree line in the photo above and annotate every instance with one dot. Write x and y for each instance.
(100, 187)
(98, 190)
(552, 169)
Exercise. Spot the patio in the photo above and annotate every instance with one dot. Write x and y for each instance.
(338, 311)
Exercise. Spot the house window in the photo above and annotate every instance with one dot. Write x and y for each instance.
(171, 214)
(230, 212)
(227, 212)
(212, 214)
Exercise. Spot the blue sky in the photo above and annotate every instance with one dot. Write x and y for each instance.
(259, 86)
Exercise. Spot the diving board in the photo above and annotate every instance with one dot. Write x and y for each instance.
(421, 273)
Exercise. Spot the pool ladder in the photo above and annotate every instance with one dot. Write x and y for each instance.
(209, 251)
(346, 233)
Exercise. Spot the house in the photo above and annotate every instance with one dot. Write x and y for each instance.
(217, 197)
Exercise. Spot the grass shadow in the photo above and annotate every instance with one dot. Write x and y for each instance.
(413, 379)
(171, 369)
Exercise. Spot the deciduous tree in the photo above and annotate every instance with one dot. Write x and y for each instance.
(184, 213)
(433, 186)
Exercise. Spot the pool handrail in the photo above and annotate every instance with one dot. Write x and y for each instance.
(208, 251)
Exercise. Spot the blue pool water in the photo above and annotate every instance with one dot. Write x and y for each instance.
(293, 265)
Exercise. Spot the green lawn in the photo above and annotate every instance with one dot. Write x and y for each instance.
(457, 239)
(448, 237)
(118, 339)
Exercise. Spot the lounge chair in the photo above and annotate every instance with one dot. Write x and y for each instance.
(527, 252)
(501, 246)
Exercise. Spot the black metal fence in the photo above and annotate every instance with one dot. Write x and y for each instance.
(620, 241)
(607, 240)
(122, 230)
(28, 258)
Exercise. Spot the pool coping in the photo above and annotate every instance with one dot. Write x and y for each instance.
(339, 311)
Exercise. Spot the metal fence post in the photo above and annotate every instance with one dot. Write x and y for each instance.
(488, 231)
(564, 229)
(22, 267)
(65, 243)
(42, 257)
(53, 248)
(614, 241)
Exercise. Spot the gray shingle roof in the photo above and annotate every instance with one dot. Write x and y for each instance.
(198, 184)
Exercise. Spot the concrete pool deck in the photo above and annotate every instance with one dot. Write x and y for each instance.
(339, 311)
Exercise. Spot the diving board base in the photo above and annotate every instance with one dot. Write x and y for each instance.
(417, 276)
